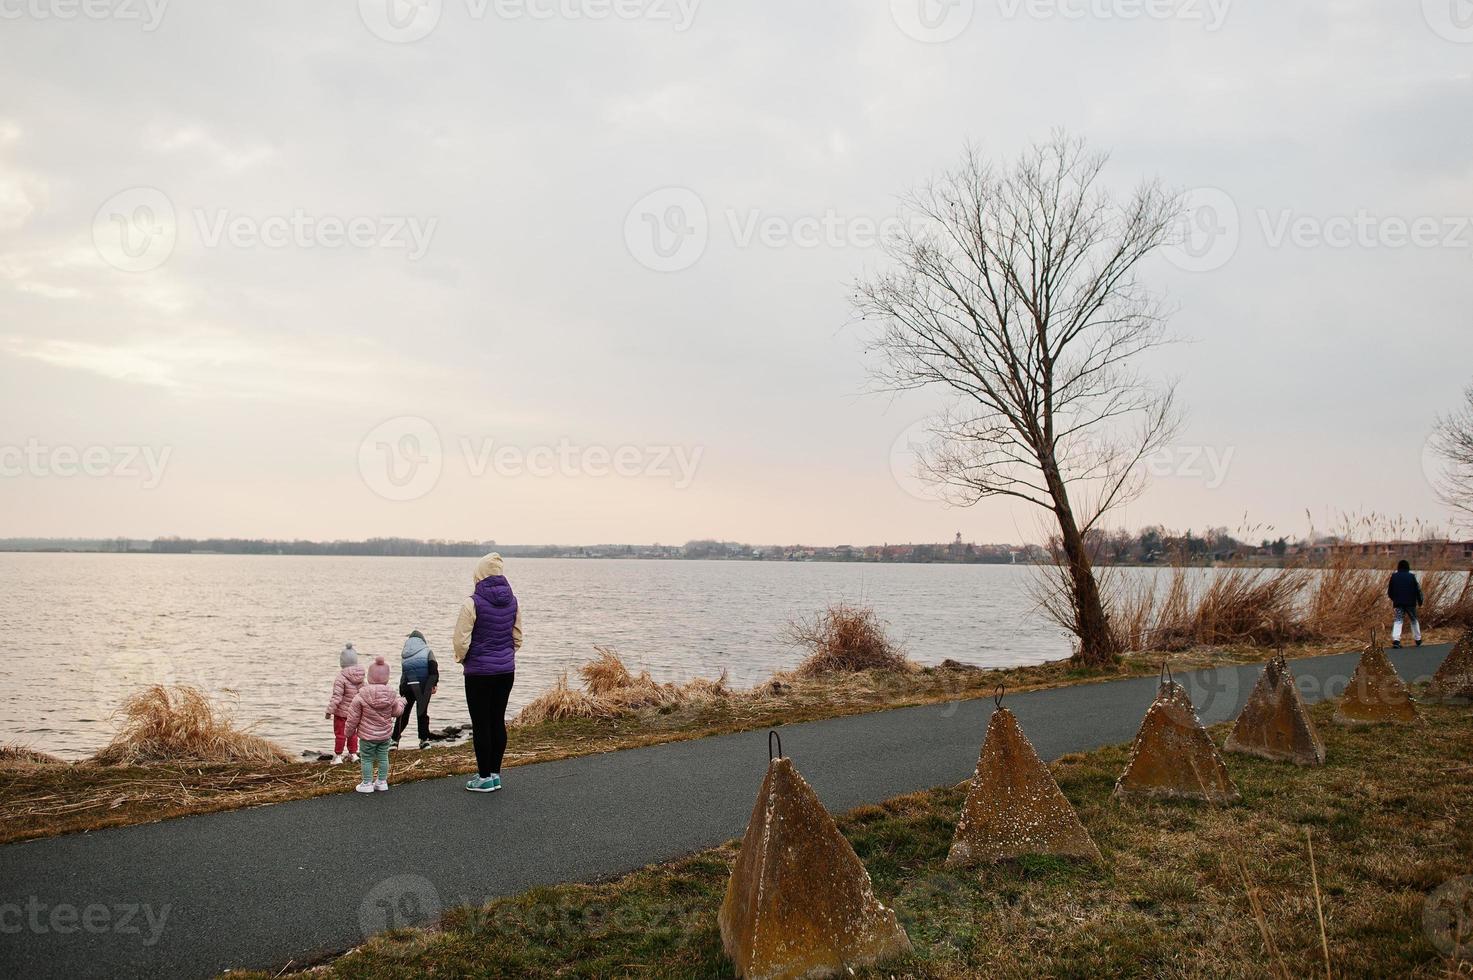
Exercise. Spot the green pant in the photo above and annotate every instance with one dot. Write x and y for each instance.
(373, 754)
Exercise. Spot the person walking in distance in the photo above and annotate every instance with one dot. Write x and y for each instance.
(1405, 594)
(488, 635)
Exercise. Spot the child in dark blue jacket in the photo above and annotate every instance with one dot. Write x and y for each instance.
(1405, 594)
(419, 677)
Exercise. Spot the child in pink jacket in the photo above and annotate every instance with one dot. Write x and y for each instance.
(344, 689)
(371, 716)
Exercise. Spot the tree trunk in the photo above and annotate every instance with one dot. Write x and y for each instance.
(1096, 647)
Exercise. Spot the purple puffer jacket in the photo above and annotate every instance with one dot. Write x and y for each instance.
(492, 650)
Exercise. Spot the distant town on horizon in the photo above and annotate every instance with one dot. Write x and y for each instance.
(1151, 545)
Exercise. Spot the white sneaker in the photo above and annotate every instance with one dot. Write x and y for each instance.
(365, 788)
(382, 785)
(352, 756)
(337, 760)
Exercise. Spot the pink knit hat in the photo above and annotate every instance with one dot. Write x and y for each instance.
(378, 671)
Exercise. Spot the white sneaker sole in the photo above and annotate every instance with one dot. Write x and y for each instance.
(482, 789)
(360, 788)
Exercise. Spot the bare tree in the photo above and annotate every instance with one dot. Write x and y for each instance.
(1015, 292)
(1452, 440)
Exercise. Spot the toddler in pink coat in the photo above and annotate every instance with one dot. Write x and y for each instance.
(371, 717)
(344, 689)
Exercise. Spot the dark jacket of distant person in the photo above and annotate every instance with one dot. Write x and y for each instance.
(1403, 589)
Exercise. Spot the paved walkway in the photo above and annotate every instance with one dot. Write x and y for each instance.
(260, 887)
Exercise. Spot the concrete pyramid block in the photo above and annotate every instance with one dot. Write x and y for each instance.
(1454, 679)
(1275, 723)
(799, 902)
(1173, 756)
(1014, 806)
(1376, 694)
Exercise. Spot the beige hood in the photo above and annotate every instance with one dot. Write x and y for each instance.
(489, 566)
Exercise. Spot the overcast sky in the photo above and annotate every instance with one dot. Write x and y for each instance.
(578, 270)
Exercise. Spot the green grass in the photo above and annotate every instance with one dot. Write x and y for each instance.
(1391, 815)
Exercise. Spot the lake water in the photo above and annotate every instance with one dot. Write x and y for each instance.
(82, 631)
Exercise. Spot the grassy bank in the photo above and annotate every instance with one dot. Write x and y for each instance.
(1186, 889)
(40, 799)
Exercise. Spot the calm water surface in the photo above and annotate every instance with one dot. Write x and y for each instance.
(264, 632)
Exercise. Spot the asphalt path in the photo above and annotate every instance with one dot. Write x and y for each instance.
(266, 886)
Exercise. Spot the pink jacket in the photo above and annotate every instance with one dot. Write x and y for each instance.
(372, 713)
(344, 689)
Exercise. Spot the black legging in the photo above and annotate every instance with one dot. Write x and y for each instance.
(486, 698)
(416, 695)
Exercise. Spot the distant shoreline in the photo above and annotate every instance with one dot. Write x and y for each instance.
(1250, 563)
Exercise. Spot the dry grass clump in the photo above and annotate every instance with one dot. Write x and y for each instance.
(1344, 597)
(846, 639)
(14, 757)
(561, 702)
(611, 691)
(176, 724)
(1236, 605)
(1449, 598)
(1337, 599)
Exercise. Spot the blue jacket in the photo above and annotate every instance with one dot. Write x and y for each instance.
(1403, 591)
(418, 662)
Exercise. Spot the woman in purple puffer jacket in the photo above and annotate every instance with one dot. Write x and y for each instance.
(487, 638)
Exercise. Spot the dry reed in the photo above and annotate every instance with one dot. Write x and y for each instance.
(846, 639)
(611, 691)
(21, 757)
(1334, 599)
(181, 724)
